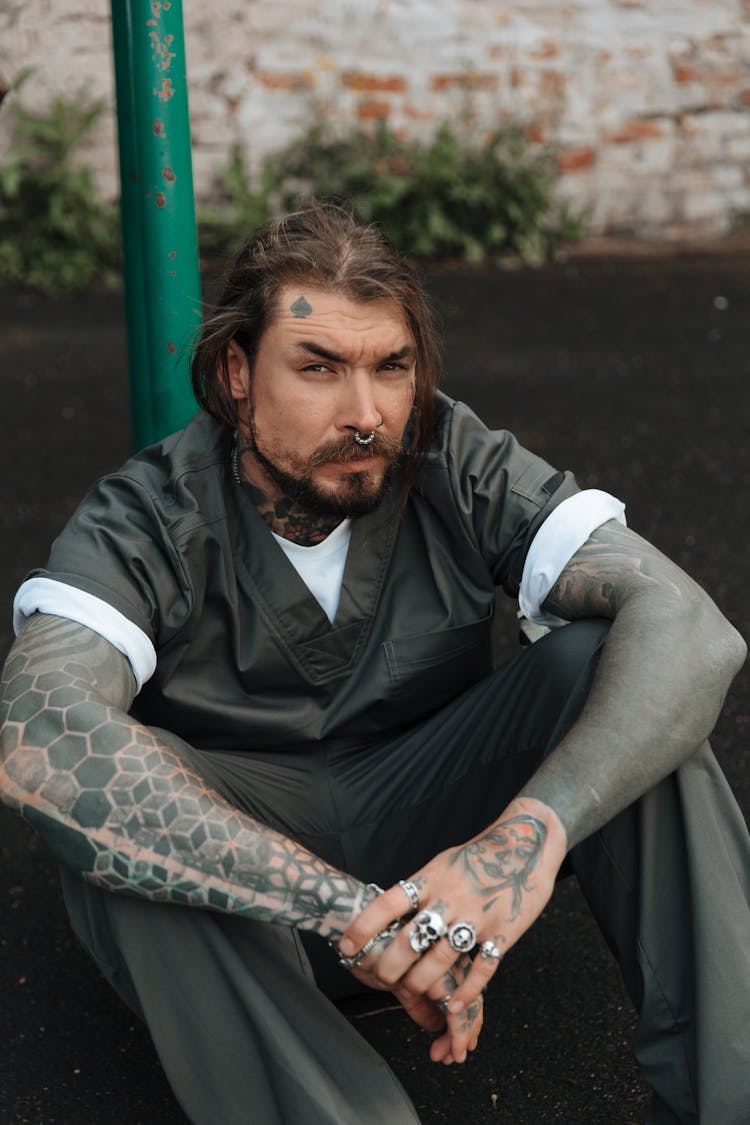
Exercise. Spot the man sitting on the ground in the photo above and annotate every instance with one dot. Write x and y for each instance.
(255, 678)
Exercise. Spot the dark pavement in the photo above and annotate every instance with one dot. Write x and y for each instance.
(634, 373)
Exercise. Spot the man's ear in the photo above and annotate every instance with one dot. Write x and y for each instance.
(238, 371)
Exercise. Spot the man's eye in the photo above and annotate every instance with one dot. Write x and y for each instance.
(316, 367)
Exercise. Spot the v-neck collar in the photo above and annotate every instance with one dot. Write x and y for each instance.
(320, 650)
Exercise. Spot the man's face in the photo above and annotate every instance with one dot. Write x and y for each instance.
(326, 368)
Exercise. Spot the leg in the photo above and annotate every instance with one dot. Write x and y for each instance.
(669, 884)
(241, 1029)
(668, 880)
(239, 1024)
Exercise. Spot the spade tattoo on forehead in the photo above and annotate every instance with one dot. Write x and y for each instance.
(301, 307)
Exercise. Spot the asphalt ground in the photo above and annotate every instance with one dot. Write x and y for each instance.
(632, 372)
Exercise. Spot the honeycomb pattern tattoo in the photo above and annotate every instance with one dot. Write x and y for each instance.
(125, 810)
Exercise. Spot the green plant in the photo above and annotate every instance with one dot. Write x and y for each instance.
(55, 235)
(450, 198)
(235, 210)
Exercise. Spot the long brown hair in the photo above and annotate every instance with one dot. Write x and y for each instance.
(321, 246)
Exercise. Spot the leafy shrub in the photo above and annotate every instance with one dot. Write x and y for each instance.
(449, 198)
(55, 235)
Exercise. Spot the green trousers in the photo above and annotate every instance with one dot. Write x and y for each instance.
(246, 1033)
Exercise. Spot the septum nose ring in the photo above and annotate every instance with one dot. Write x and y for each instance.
(365, 441)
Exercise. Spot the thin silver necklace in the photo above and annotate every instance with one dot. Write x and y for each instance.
(234, 458)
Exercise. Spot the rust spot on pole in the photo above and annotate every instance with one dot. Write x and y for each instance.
(160, 199)
(166, 91)
(171, 348)
(168, 175)
(172, 254)
(158, 127)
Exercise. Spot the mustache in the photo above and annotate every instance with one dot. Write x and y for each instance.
(346, 449)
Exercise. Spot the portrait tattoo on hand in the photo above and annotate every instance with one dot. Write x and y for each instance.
(503, 858)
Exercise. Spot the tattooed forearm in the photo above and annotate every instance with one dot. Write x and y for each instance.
(612, 565)
(502, 858)
(660, 682)
(122, 808)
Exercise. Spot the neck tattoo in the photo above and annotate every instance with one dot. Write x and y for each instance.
(283, 516)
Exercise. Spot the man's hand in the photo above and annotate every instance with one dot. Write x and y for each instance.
(500, 882)
(462, 1029)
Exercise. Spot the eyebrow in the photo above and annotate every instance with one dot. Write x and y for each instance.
(323, 353)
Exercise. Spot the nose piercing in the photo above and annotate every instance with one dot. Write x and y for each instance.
(370, 437)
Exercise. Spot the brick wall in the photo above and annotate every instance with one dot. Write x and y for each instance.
(648, 100)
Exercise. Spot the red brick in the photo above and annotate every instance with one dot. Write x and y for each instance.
(576, 159)
(416, 112)
(371, 109)
(282, 80)
(537, 132)
(373, 83)
(745, 97)
(463, 81)
(552, 83)
(545, 50)
(684, 73)
(639, 129)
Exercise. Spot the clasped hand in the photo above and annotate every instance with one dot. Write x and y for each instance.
(498, 882)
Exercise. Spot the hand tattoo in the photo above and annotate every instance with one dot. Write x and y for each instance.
(504, 857)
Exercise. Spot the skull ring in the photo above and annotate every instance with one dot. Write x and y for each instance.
(427, 927)
(462, 937)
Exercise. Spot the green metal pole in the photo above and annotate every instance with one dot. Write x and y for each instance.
(162, 274)
(139, 360)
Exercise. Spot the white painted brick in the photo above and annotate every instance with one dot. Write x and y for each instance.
(738, 151)
(619, 62)
(727, 177)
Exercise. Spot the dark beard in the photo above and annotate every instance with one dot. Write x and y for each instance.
(302, 490)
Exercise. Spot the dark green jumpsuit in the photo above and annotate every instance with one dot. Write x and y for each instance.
(377, 741)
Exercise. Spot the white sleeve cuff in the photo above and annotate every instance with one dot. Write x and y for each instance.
(565, 530)
(46, 595)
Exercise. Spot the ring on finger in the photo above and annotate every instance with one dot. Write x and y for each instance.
(356, 959)
(425, 930)
(462, 937)
(489, 951)
(443, 1003)
(411, 891)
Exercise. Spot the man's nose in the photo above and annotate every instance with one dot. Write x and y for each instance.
(360, 409)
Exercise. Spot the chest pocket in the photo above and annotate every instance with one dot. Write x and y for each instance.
(430, 669)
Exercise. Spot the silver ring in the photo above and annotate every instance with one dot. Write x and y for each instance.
(462, 937)
(356, 959)
(426, 928)
(489, 951)
(411, 892)
(443, 1003)
(364, 440)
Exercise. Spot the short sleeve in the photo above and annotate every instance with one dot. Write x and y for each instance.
(504, 493)
(554, 545)
(117, 547)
